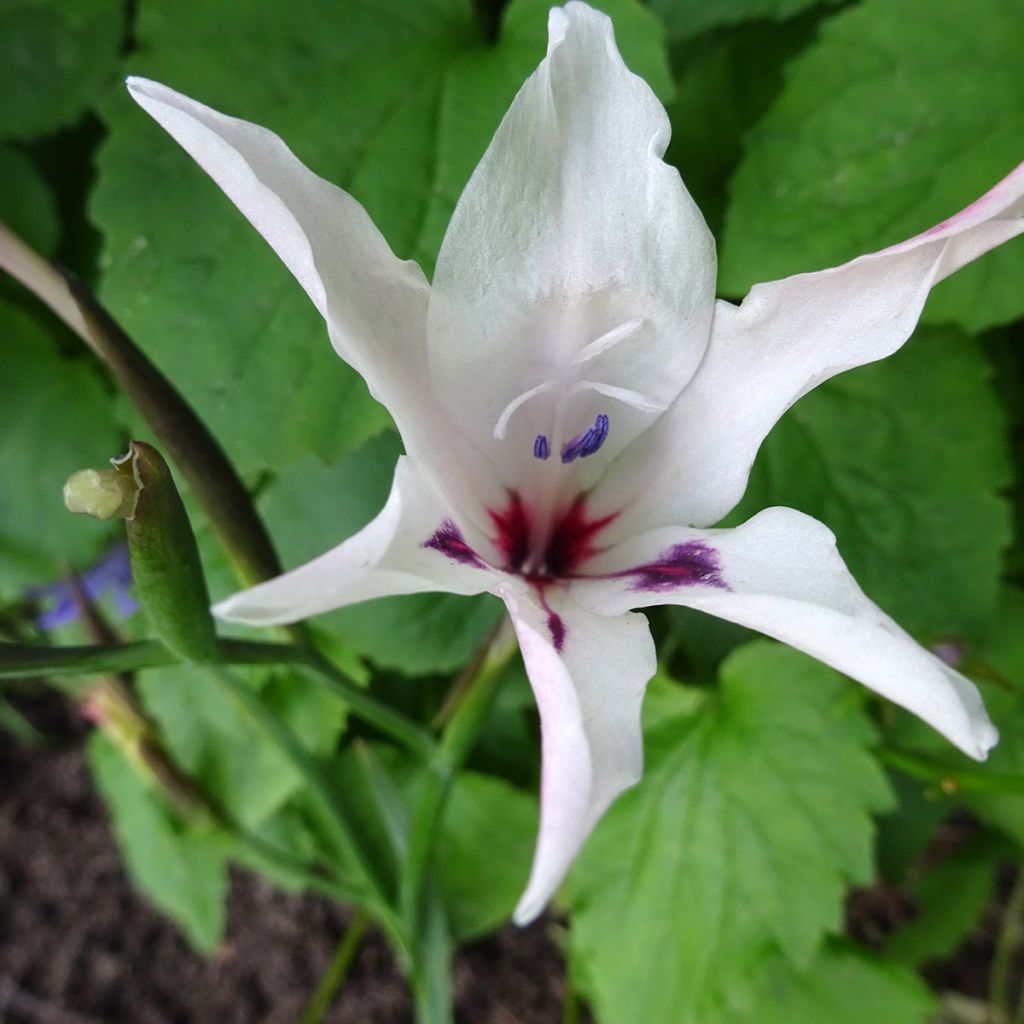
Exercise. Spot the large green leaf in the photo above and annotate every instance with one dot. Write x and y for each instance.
(26, 203)
(55, 418)
(393, 101)
(735, 848)
(904, 460)
(179, 867)
(213, 738)
(686, 18)
(899, 116)
(843, 985)
(54, 57)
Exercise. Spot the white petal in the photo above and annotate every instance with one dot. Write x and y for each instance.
(389, 556)
(374, 303)
(589, 695)
(783, 576)
(572, 237)
(785, 339)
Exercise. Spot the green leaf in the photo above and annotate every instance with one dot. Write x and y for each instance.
(997, 665)
(483, 852)
(843, 985)
(900, 115)
(753, 814)
(179, 867)
(687, 18)
(908, 478)
(26, 202)
(55, 418)
(726, 83)
(213, 739)
(949, 899)
(393, 101)
(55, 55)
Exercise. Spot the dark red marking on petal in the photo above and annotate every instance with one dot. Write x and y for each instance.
(682, 565)
(449, 541)
(513, 526)
(556, 627)
(572, 540)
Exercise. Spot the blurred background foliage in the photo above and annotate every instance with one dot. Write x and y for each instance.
(809, 132)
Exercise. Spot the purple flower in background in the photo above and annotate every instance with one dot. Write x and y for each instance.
(578, 411)
(111, 575)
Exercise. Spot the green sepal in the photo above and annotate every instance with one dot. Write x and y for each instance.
(166, 570)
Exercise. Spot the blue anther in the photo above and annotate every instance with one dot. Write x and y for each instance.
(541, 448)
(588, 442)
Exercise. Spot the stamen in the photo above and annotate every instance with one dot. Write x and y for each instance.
(541, 448)
(588, 442)
(501, 427)
(625, 330)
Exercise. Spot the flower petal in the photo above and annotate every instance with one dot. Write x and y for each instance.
(588, 673)
(392, 555)
(786, 338)
(780, 573)
(574, 252)
(374, 304)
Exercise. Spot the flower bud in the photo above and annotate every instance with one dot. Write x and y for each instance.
(168, 575)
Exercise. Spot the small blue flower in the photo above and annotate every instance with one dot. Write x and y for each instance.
(112, 575)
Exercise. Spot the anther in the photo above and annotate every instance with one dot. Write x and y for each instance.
(588, 442)
(541, 448)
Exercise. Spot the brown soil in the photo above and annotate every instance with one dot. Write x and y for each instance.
(78, 946)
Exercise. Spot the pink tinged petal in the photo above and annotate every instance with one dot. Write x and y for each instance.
(374, 304)
(392, 555)
(782, 575)
(574, 253)
(786, 338)
(588, 673)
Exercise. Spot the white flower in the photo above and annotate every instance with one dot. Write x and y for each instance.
(578, 410)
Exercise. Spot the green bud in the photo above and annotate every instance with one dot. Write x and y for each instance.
(168, 575)
(101, 493)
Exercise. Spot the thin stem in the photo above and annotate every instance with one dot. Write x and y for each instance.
(1008, 948)
(456, 741)
(947, 779)
(327, 991)
(22, 660)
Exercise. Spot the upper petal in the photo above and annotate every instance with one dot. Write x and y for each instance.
(780, 573)
(572, 231)
(375, 304)
(400, 552)
(588, 673)
(786, 338)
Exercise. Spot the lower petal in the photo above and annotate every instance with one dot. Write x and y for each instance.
(780, 573)
(411, 547)
(588, 673)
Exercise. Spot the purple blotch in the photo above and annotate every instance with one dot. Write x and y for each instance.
(541, 448)
(556, 627)
(588, 442)
(449, 541)
(682, 565)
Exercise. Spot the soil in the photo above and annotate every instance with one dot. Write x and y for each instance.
(79, 946)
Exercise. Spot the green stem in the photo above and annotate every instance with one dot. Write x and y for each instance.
(327, 991)
(458, 737)
(366, 886)
(950, 779)
(20, 660)
(1008, 946)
